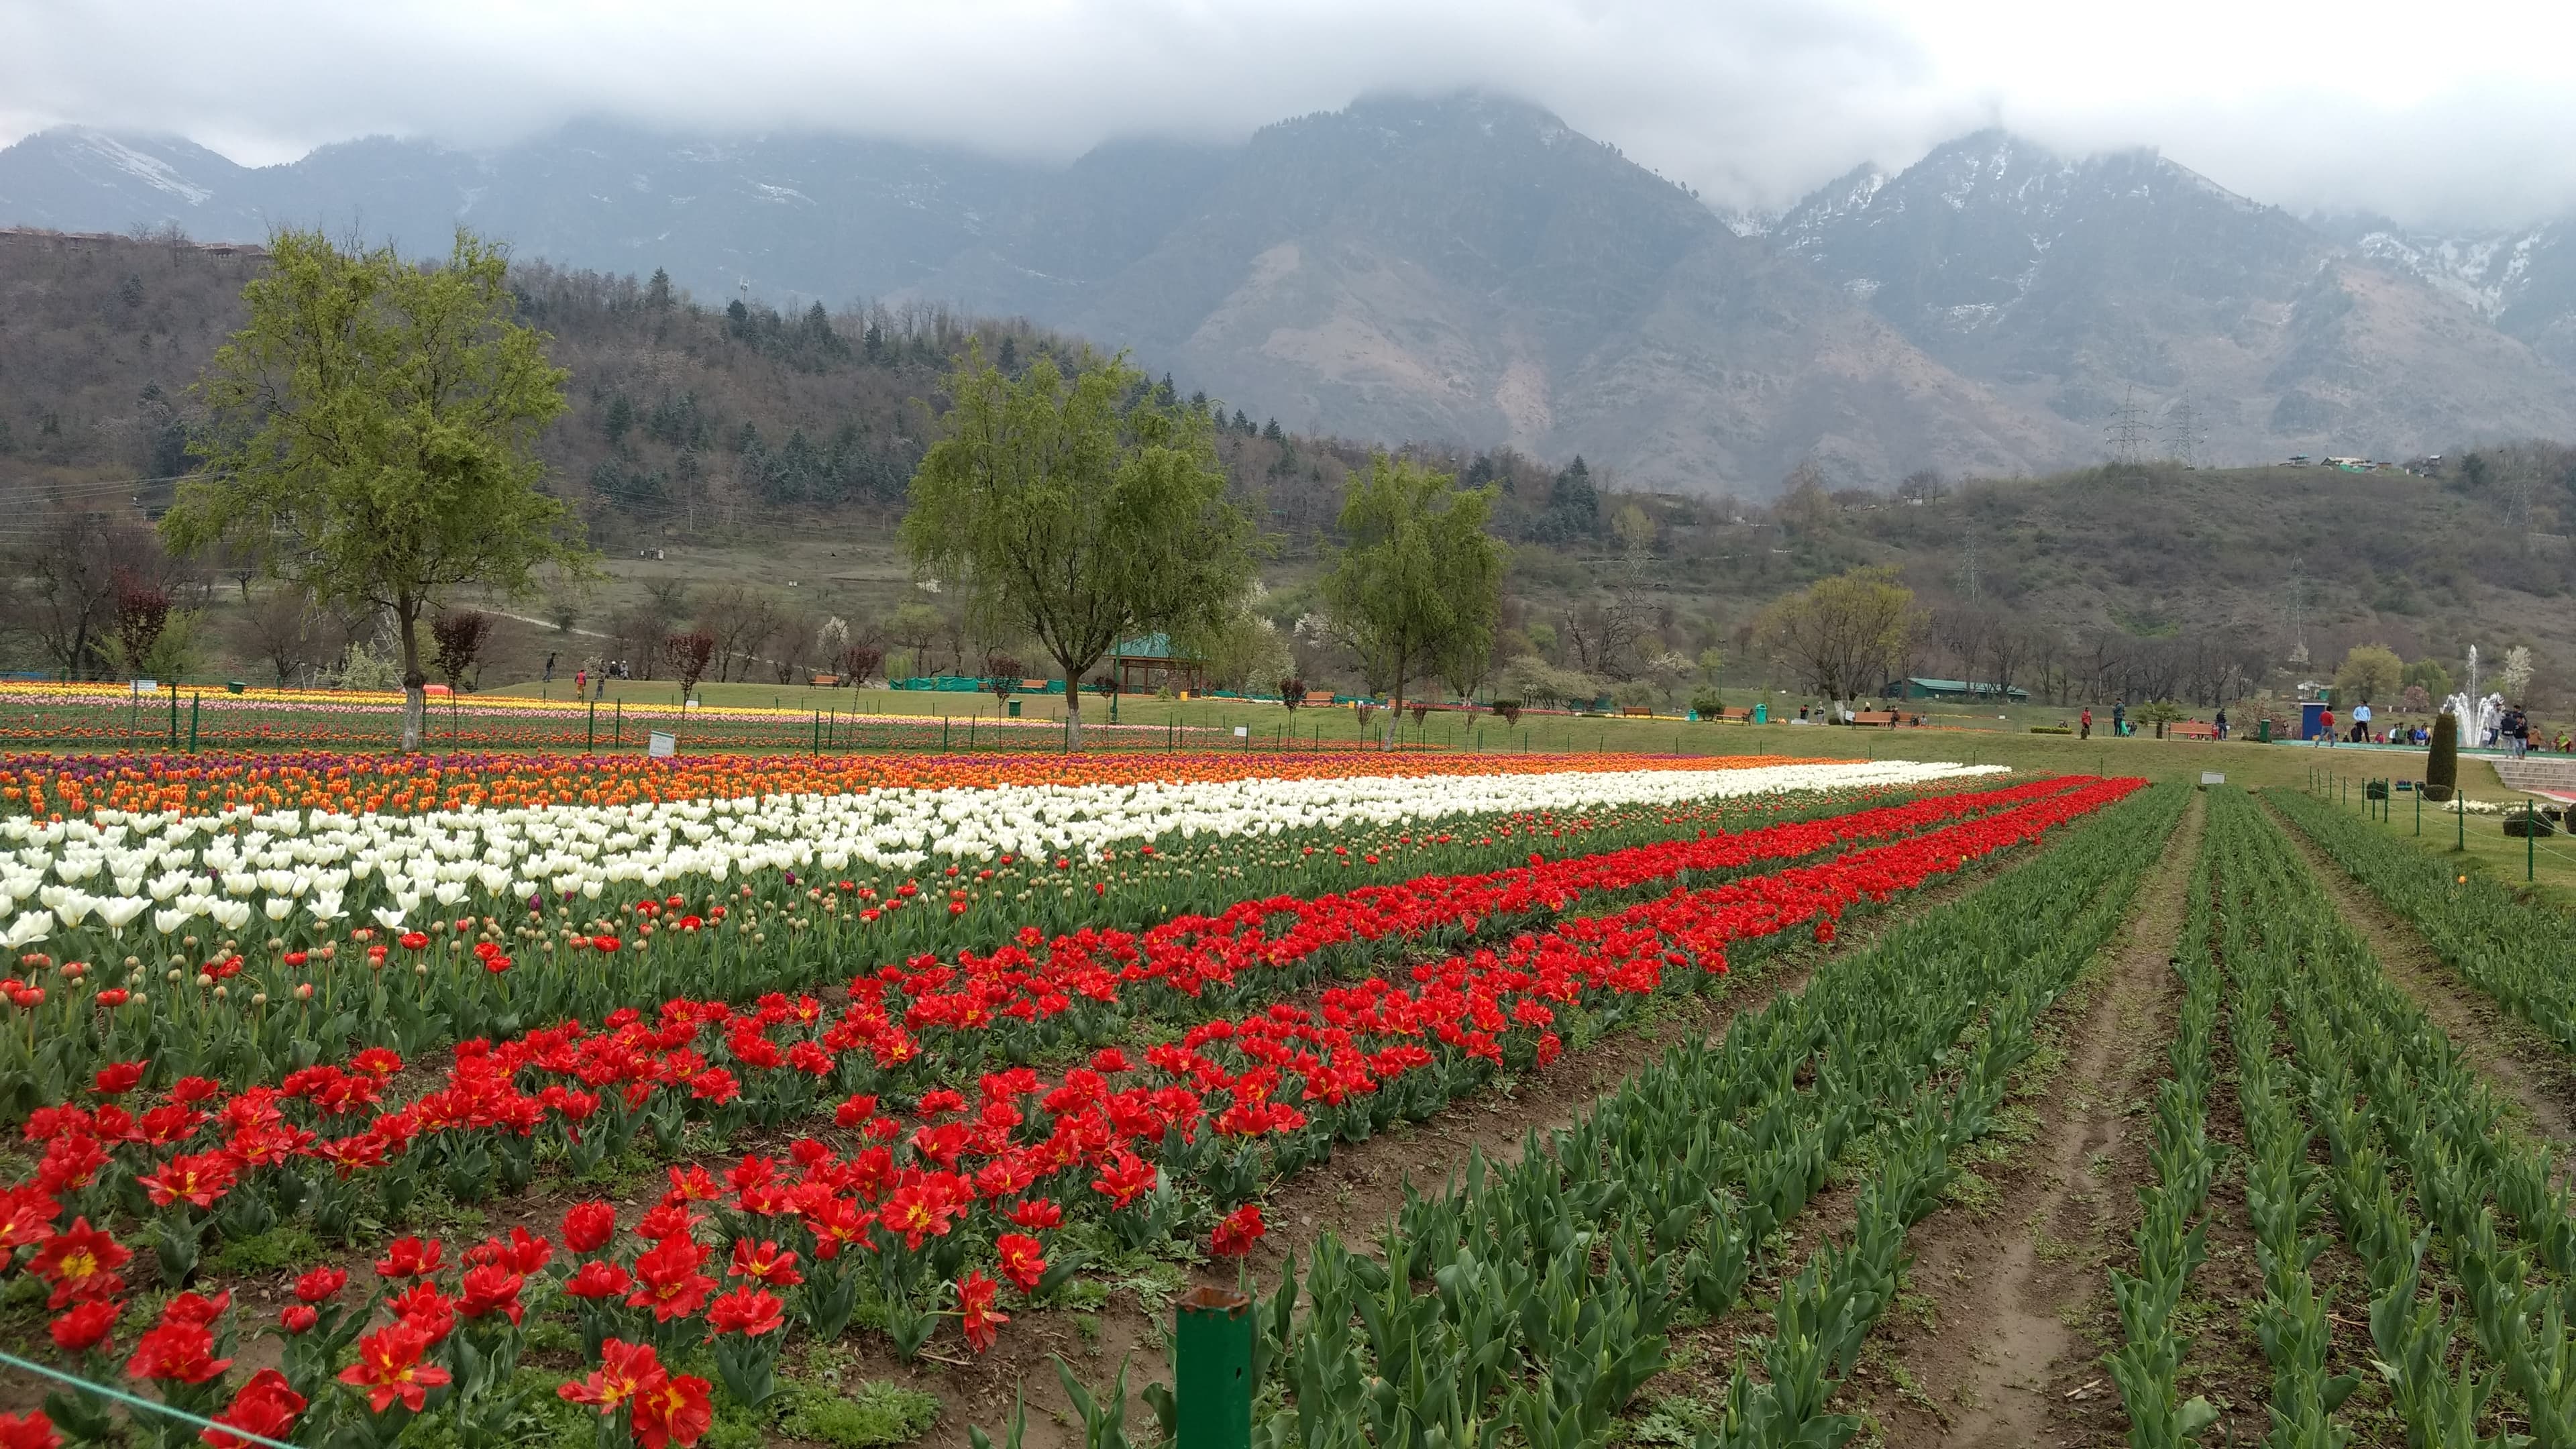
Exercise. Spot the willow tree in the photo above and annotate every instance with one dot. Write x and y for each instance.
(1079, 510)
(1418, 588)
(375, 437)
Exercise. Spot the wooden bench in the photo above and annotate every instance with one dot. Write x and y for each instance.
(2190, 729)
(1033, 686)
(1638, 709)
(1875, 717)
(826, 681)
(1740, 715)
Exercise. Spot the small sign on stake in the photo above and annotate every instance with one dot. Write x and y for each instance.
(661, 746)
(2213, 777)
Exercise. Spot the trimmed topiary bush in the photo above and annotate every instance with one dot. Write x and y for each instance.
(2442, 765)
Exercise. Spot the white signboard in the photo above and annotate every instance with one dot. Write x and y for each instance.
(1243, 732)
(662, 746)
(147, 686)
(2213, 777)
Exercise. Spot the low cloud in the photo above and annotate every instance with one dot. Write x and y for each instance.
(2375, 107)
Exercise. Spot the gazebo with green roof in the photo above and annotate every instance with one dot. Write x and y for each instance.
(1149, 664)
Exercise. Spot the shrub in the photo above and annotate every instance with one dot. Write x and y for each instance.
(1707, 704)
(2052, 729)
(2442, 766)
(1508, 710)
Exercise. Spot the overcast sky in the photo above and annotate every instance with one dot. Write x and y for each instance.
(2462, 112)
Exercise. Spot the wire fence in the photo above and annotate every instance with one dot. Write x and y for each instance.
(187, 719)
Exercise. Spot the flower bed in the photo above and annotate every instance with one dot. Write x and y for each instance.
(899, 1214)
(409, 931)
(79, 787)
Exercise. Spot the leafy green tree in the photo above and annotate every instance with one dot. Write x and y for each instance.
(1843, 635)
(2429, 673)
(1066, 512)
(1419, 587)
(2369, 673)
(375, 438)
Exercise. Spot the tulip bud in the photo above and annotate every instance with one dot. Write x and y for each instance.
(304, 991)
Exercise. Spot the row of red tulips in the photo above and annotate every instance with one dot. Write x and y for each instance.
(901, 1029)
(893, 1213)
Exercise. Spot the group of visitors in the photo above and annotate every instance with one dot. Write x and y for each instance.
(2120, 726)
(2514, 731)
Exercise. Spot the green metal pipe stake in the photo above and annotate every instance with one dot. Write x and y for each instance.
(1212, 1369)
(2530, 847)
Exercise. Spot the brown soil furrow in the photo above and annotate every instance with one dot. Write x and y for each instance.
(1994, 1343)
(2536, 1080)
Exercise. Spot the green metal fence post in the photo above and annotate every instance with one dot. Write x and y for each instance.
(2419, 807)
(617, 722)
(174, 717)
(194, 700)
(2460, 813)
(2530, 850)
(1212, 1370)
(590, 733)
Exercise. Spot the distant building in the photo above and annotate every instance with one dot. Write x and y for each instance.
(1956, 691)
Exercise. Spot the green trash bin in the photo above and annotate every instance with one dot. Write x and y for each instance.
(1015, 709)
(233, 686)
(1762, 714)
(2262, 732)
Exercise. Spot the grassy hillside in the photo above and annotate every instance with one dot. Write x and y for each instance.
(762, 457)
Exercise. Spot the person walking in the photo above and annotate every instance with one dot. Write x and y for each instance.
(2084, 726)
(580, 682)
(2517, 730)
(2222, 724)
(2120, 720)
(2326, 728)
(2361, 722)
(550, 667)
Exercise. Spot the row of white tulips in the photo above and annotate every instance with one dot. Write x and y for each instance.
(235, 865)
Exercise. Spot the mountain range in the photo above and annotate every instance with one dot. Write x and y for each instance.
(1470, 269)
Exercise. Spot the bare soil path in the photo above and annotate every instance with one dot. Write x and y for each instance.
(1993, 1344)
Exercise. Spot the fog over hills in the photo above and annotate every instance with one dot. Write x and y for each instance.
(1472, 269)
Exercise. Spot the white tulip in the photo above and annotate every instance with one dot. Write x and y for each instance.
(27, 930)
